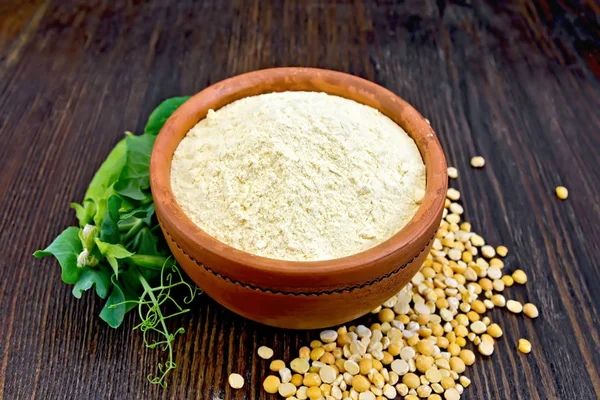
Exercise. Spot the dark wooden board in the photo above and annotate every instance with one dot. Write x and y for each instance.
(514, 81)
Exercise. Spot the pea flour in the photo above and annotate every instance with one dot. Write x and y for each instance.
(299, 176)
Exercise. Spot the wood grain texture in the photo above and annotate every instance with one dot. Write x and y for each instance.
(515, 81)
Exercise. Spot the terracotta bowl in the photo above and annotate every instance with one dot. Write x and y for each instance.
(296, 294)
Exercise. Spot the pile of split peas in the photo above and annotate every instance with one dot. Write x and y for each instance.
(418, 349)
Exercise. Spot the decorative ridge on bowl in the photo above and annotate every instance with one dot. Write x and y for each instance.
(310, 293)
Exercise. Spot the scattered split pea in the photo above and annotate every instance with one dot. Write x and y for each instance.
(502, 251)
(271, 384)
(477, 162)
(514, 306)
(530, 310)
(452, 173)
(418, 348)
(562, 192)
(265, 352)
(524, 346)
(236, 381)
(519, 276)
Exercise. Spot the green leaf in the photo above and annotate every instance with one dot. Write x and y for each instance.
(100, 205)
(109, 231)
(127, 206)
(145, 212)
(144, 243)
(149, 214)
(131, 287)
(135, 176)
(160, 115)
(112, 252)
(114, 264)
(84, 213)
(136, 232)
(114, 309)
(115, 250)
(107, 174)
(93, 207)
(92, 277)
(66, 247)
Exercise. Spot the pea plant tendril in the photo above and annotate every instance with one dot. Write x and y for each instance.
(151, 304)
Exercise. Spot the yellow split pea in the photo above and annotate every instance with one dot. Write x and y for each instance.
(265, 352)
(477, 162)
(562, 192)
(524, 346)
(446, 306)
(271, 384)
(236, 381)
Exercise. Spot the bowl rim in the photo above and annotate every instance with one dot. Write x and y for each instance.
(418, 229)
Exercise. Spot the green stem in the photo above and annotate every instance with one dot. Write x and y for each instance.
(152, 262)
(148, 289)
(127, 226)
(137, 226)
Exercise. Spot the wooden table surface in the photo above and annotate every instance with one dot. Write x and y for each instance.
(518, 83)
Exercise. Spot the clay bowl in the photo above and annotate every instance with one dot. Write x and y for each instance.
(294, 294)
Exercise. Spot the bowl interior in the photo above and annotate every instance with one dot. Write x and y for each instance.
(414, 235)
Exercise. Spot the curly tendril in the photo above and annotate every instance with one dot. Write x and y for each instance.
(151, 308)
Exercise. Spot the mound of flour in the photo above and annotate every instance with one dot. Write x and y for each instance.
(298, 176)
